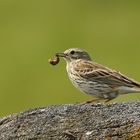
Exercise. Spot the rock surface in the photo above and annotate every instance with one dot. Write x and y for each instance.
(117, 121)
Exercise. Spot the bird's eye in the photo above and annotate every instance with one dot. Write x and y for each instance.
(72, 52)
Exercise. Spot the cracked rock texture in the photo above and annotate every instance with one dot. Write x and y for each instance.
(117, 121)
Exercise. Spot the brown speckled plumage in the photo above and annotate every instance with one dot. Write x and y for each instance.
(95, 79)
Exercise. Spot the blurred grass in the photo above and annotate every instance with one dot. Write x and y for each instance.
(32, 31)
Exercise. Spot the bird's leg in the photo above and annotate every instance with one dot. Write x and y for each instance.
(98, 100)
(107, 100)
(93, 100)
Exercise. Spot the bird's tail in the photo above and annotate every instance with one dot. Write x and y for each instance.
(124, 89)
(136, 89)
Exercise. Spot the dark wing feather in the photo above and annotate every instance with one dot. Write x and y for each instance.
(97, 72)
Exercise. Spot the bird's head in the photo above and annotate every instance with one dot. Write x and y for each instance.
(74, 54)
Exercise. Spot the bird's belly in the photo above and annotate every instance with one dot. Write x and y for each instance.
(91, 87)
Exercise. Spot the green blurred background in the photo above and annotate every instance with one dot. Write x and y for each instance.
(31, 31)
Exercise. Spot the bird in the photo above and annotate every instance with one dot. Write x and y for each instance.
(94, 79)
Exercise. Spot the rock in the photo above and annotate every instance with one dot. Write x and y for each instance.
(117, 121)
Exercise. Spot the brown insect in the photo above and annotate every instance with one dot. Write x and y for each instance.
(55, 60)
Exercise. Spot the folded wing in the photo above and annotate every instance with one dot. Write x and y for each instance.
(96, 72)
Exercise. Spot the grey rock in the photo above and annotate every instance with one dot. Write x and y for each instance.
(117, 121)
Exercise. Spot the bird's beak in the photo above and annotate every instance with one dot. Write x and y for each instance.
(60, 54)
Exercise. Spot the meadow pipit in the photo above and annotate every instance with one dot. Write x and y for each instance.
(95, 79)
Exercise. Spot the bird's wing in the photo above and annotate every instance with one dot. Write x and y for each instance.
(100, 73)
